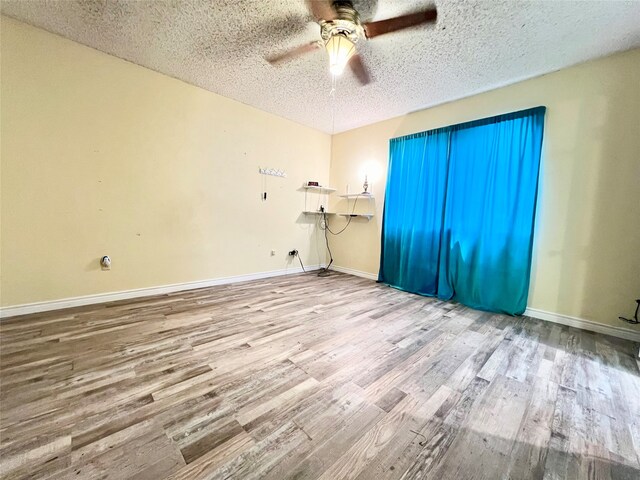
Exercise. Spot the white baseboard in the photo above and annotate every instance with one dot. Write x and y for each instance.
(614, 331)
(357, 273)
(141, 292)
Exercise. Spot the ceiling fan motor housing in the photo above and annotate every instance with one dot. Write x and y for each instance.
(347, 23)
(341, 28)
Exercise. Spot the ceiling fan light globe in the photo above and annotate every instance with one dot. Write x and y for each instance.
(340, 50)
(336, 69)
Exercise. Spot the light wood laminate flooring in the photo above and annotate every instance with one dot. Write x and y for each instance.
(303, 377)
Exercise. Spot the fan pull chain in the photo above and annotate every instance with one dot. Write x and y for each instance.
(332, 94)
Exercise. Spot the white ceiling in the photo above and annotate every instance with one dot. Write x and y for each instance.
(220, 45)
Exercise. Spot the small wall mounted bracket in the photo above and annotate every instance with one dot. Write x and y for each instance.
(272, 171)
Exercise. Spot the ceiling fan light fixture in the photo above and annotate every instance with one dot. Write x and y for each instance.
(340, 50)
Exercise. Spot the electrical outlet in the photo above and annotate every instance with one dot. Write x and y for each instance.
(293, 253)
(105, 262)
(273, 252)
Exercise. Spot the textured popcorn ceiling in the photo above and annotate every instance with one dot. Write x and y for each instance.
(220, 45)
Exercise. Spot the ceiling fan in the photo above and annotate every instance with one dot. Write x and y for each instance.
(340, 30)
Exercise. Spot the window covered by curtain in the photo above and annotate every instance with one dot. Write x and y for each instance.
(459, 211)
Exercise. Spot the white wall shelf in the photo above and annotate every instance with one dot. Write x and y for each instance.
(352, 200)
(368, 216)
(319, 198)
(319, 189)
(357, 195)
(327, 191)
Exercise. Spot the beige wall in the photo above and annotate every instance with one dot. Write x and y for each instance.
(587, 245)
(100, 156)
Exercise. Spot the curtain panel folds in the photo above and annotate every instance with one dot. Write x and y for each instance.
(460, 208)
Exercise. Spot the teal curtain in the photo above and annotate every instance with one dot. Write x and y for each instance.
(412, 226)
(460, 208)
